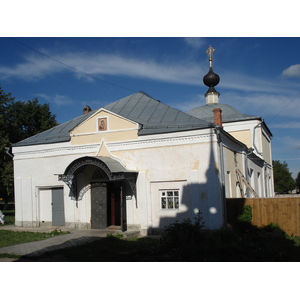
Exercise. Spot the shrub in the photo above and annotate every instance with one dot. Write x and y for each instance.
(246, 215)
(180, 239)
(244, 221)
(273, 228)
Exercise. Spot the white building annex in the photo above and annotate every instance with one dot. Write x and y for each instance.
(138, 164)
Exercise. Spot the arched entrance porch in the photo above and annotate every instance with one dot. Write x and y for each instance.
(108, 183)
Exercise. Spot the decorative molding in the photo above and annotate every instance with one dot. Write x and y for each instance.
(102, 132)
(70, 150)
(88, 187)
(160, 142)
(142, 143)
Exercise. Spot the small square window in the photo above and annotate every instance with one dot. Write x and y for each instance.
(169, 199)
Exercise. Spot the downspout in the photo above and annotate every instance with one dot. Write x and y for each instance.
(250, 151)
(260, 153)
(266, 179)
(7, 152)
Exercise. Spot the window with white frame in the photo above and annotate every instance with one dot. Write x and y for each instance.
(169, 199)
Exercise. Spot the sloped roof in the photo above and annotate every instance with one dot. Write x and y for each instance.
(57, 134)
(229, 114)
(154, 117)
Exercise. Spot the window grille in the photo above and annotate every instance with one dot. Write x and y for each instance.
(169, 199)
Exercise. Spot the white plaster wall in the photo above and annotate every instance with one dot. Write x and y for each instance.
(188, 160)
(45, 207)
(42, 173)
(194, 169)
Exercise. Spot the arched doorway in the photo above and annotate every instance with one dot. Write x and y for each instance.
(108, 182)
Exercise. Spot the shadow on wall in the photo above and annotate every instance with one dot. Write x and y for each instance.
(207, 198)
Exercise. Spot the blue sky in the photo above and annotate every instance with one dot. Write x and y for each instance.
(258, 76)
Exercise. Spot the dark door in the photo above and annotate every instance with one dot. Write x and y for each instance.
(123, 210)
(58, 209)
(99, 206)
(114, 205)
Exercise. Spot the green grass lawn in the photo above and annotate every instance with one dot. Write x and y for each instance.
(9, 237)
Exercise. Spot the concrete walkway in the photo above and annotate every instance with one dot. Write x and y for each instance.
(76, 237)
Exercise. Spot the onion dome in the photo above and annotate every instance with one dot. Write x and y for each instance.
(211, 79)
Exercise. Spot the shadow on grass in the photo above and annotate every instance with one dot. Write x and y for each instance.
(246, 243)
(109, 249)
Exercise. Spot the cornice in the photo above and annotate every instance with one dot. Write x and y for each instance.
(93, 149)
(58, 151)
(161, 142)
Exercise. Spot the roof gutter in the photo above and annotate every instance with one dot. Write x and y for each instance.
(254, 144)
(8, 153)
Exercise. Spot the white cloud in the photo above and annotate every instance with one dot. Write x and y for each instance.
(269, 105)
(197, 100)
(32, 68)
(99, 64)
(195, 42)
(35, 67)
(58, 100)
(289, 125)
(243, 82)
(292, 71)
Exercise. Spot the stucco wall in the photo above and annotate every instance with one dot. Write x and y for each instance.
(188, 161)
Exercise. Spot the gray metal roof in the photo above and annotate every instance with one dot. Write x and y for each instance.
(57, 134)
(154, 117)
(229, 114)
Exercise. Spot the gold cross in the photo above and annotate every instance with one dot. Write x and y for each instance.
(210, 51)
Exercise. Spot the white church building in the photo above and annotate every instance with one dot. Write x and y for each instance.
(138, 164)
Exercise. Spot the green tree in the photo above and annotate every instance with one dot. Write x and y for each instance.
(283, 180)
(18, 120)
(297, 181)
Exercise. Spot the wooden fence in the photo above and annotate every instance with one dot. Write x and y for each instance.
(285, 211)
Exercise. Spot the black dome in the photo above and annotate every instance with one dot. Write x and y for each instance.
(211, 79)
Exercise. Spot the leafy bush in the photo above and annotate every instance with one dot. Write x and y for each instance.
(273, 228)
(244, 221)
(246, 215)
(180, 239)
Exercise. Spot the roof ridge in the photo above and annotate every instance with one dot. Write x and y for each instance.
(142, 92)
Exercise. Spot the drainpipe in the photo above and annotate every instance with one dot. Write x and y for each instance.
(7, 152)
(259, 124)
(250, 151)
